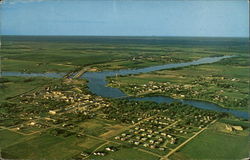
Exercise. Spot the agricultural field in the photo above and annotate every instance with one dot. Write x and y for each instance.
(124, 152)
(218, 142)
(13, 86)
(64, 54)
(40, 147)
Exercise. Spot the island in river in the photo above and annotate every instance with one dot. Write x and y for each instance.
(63, 112)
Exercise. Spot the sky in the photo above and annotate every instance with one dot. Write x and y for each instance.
(205, 18)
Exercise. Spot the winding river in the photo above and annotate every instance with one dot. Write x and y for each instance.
(98, 85)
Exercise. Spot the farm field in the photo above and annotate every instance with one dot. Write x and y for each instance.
(40, 147)
(127, 153)
(13, 86)
(64, 54)
(216, 144)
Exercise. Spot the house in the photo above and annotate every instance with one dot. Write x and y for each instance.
(229, 128)
(238, 128)
(52, 112)
(137, 143)
(144, 139)
(143, 134)
(145, 145)
(163, 134)
(84, 154)
(32, 123)
(172, 141)
(123, 139)
(150, 131)
(169, 136)
(142, 129)
(152, 146)
(124, 134)
(161, 149)
(117, 137)
(131, 141)
(99, 153)
(110, 149)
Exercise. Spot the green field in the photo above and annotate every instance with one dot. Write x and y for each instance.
(13, 86)
(126, 153)
(8, 137)
(49, 147)
(62, 54)
(213, 144)
(100, 127)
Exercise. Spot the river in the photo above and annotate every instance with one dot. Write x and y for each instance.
(97, 84)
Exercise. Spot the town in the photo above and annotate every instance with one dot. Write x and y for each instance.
(62, 108)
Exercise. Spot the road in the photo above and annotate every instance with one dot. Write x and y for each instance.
(81, 72)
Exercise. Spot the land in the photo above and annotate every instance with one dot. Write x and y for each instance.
(13, 86)
(66, 53)
(211, 140)
(59, 118)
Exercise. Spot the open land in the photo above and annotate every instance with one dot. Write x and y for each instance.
(47, 118)
(63, 54)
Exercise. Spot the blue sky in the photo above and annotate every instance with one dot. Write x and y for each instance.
(216, 18)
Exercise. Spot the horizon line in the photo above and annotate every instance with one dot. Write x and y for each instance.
(126, 36)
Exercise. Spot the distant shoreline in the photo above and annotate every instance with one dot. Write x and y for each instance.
(128, 36)
(135, 40)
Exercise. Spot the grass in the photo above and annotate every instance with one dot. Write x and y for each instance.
(101, 127)
(126, 153)
(50, 147)
(62, 54)
(34, 66)
(94, 127)
(31, 149)
(212, 144)
(245, 124)
(113, 131)
(18, 85)
(8, 137)
(89, 144)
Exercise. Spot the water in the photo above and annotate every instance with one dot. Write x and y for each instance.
(195, 103)
(97, 84)
(97, 80)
